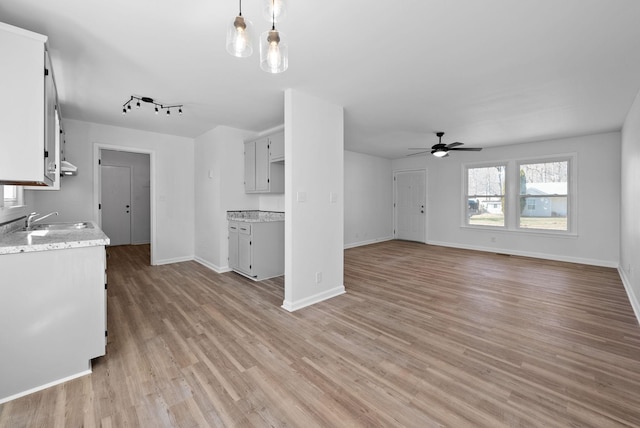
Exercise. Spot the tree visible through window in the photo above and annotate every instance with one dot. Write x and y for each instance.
(486, 195)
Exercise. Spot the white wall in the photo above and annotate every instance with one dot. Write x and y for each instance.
(174, 189)
(139, 163)
(314, 169)
(368, 199)
(598, 183)
(630, 207)
(219, 187)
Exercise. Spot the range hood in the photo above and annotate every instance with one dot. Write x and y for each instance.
(67, 168)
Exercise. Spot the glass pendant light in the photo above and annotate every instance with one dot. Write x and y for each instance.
(274, 55)
(239, 36)
(274, 10)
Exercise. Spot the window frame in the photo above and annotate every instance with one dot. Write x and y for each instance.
(465, 182)
(512, 195)
(571, 193)
(14, 202)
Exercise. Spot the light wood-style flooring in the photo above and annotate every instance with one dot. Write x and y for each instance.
(425, 336)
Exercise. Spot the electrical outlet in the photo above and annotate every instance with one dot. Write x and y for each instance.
(318, 277)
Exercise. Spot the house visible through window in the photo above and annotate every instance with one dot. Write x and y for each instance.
(544, 195)
(532, 195)
(486, 195)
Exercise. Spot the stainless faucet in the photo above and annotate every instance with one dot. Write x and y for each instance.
(30, 218)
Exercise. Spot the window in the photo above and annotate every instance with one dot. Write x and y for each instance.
(544, 195)
(527, 195)
(12, 196)
(486, 195)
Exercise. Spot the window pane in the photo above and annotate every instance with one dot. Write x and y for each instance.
(543, 196)
(485, 196)
(10, 193)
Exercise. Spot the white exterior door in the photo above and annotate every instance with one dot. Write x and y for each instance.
(116, 203)
(410, 205)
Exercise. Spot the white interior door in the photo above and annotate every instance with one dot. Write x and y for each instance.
(410, 205)
(116, 203)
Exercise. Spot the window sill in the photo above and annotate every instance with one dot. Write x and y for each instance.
(528, 232)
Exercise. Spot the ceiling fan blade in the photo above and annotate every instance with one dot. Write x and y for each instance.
(417, 148)
(468, 149)
(454, 144)
(418, 153)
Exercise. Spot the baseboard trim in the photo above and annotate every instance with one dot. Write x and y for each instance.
(554, 257)
(174, 260)
(45, 386)
(367, 242)
(215, 268)
(311, 300)
(633, 299)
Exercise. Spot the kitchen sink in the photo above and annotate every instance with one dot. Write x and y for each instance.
(62, 226)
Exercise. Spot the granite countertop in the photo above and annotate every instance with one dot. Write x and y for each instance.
(19, 241)
(255, 216)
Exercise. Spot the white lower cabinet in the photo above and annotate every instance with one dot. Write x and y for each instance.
(52, 313)
(256, 249)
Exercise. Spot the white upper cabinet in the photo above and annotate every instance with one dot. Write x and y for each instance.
(260, 174)
(28, 133)
(276, 147)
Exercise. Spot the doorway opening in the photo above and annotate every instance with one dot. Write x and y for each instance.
(410, 205)
(124, 189)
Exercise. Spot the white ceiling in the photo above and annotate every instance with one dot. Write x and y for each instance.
(488, 72)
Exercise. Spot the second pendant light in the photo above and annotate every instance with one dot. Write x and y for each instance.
(274, 53)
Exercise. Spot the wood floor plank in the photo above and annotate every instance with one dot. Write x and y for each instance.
(425, 336)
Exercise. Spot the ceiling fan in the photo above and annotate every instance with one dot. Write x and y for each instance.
(441, 150)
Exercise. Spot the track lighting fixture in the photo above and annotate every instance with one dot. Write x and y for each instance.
(157, 106)
(274, 56)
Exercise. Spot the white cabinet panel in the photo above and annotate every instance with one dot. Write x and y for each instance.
(276, 147)
(28, 94)
(262, 175)
(52, 310)
(262, 165)
(250, 167)
(256, 249)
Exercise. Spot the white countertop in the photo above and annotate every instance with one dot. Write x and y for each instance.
(43, 240)
(255, 216)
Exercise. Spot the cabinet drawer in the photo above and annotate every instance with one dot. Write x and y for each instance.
(244, 228)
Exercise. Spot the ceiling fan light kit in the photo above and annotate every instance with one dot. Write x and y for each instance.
(441, 150)
(274, 53)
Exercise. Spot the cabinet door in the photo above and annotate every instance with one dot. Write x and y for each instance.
(22, 107)
(50, 132)
(262, 165)
(250, 166)
(233, 246)
(276, 147)
(244, 253)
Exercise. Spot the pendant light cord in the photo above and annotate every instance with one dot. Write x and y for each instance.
(240, 14)
(273, 15)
